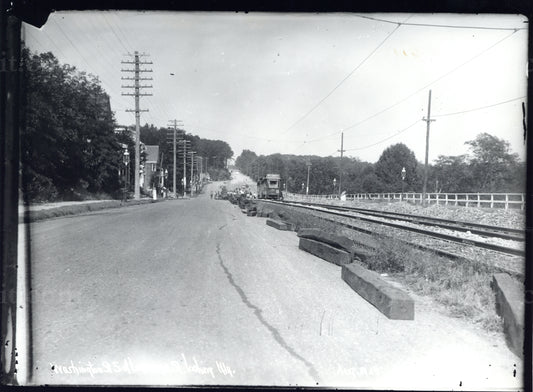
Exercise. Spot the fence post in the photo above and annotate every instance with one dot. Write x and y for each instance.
(522, 199)
(492, 200)
(506, 201)
(478, 201)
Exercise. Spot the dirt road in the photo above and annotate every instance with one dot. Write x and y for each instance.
(195, 292)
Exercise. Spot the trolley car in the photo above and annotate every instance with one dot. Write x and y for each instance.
(269, 187)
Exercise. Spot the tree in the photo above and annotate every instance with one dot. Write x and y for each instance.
(492, 163)
(69, 147)
(453, 174)
(244, 162)
(389, 168)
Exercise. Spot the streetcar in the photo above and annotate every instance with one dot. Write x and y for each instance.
(269, 187)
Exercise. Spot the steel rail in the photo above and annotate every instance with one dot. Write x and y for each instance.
(451, 238)
(474, 228)
(438, 252)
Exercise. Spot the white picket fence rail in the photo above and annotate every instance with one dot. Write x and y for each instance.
(487, 200)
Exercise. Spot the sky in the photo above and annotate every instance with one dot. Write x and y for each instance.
(292, 83)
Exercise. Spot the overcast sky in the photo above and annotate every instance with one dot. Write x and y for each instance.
(291, 83)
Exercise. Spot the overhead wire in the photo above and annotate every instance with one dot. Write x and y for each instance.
(104, 18)
(343, 80)
(443, 26)
(414, 93)
(154, 110)
(90, 23)
(478, 108)
(387, 138)
(106, 85)
(435, 115)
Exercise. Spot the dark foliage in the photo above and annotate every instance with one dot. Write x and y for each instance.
(69, 148)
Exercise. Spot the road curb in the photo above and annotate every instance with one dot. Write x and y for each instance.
(510, 307)
(391, 301)
(76, 209)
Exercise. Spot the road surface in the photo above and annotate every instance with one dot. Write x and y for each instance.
(195, 292)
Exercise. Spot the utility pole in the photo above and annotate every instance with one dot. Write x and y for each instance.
(200, 166)
(428, 121)
(186, 144)
(137, 94)
(192, 170)
(340, 164)
(174, 124)
(308, 167)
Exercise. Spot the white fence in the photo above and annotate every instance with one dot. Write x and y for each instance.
(487, 200)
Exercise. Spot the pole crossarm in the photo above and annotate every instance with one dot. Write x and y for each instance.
(138, 94)
(136, 70)
(136, 110)
(123, 78)
(140, 86)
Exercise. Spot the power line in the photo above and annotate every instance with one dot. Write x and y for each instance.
(444, 26)
(117, 32)
(105, 85)
(114, 32)
(479, 108)
(124, 36)
(342, 81)
(387, 138)
(414, 93)
(72, 43)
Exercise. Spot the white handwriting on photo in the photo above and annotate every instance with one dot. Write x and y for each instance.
(182, 365)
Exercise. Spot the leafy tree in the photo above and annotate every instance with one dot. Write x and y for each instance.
(245, 160)
(453, 174)
(389, 168)
(492, 163)
(69, 148)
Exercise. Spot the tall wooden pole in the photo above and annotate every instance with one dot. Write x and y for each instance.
(428, 122)
(340, 164)
(137, 94)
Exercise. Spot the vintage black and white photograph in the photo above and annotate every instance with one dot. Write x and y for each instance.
(272, 199)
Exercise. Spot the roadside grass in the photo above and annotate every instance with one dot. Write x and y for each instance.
(37, 215)
(463, 287)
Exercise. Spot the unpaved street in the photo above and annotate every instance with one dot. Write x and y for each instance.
(195, 292)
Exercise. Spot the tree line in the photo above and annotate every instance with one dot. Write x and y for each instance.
(69, 147)
(488, 167)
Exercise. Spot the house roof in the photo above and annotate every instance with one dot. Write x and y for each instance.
(152, 154)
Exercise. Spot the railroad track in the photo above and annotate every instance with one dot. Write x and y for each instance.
(474, 228)
(390, 219)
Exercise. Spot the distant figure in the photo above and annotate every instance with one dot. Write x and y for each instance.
(211, 195)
